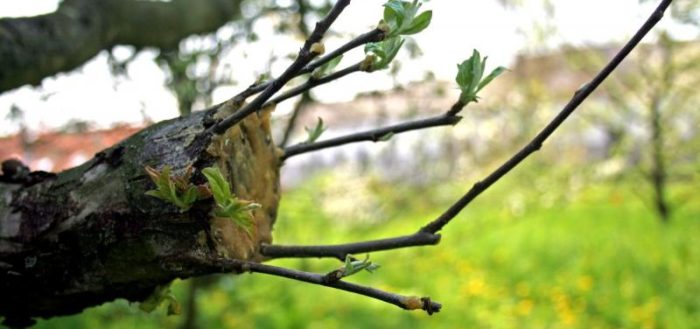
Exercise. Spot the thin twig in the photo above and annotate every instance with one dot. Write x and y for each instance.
(431, 229)
(305, 56)
(404, 302)
(340, 251)
(312, 83)
(373, 135)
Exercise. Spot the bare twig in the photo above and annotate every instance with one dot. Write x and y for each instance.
(312, 83)
(405, 302)
(373, 135)
(306, 54)
(431, 229)
(340, 251)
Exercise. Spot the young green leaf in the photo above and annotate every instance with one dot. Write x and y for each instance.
(470, 77)
(315, 133)
(384, 52)
(400, 17)
(220, 188)
(237, 211)
(327, 68)
(496, 72)
(419, 24)
(173, 189)
(353, 266)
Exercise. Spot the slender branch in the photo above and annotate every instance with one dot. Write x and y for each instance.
(340, 251)
(306, 54)
(404, 302)
(536, 143)
(373, 135)
(312, 83)
(371, 36)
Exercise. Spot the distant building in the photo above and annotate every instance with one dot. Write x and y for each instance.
(57, 151)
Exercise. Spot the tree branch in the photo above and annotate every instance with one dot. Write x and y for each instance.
(312, 83)
(373, 135)
(306, 54)
(32, 48)
(340, 251)
(404, 302)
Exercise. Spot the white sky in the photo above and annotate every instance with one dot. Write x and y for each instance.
(458, 27)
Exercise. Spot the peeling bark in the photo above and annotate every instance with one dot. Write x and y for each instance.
(90, 235)
(32, 48)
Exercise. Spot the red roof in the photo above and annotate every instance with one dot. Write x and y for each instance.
(56, 151)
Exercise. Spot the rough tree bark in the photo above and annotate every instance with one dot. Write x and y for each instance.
(89, 235)
(32, 48)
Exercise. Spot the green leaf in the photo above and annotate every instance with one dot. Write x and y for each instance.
(220, 188)
(190, 196)
(469, 77)
(476, 71)
(175, 190)
(327, 68)
(354, 266)
(394, 13)
(384, 51)
(315, 133)
(386, 137)
(496, 72)
(156, 298)
(419, 24)
(393, 46)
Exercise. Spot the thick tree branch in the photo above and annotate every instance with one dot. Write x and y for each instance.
(90, 234)
(32, 48)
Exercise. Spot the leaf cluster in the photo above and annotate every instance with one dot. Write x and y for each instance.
(470, 77)
(353, 266)
(227, 204)
(177, 190)
(400, 18)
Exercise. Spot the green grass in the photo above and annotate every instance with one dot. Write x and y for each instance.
(529, 253)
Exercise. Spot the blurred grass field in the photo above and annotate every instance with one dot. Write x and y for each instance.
(535, 251)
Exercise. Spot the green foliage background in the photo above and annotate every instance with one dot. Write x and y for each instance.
(554, 250)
